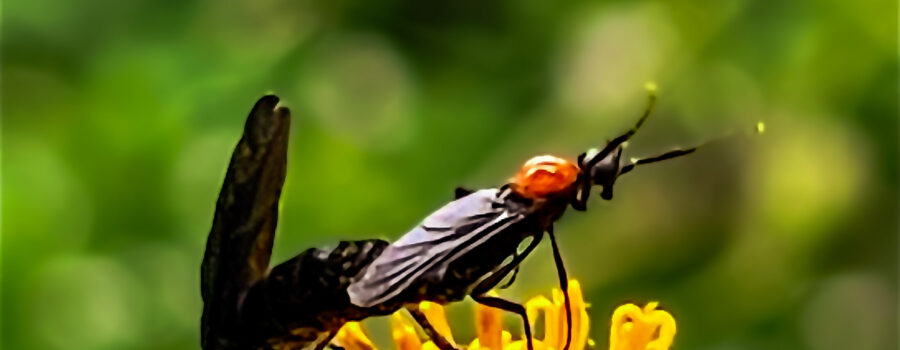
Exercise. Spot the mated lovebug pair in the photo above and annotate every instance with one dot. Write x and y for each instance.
(466, 248)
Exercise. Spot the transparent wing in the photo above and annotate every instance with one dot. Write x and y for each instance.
(444, 236)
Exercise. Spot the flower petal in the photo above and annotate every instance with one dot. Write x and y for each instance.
(404, 333)
(633, 328)
(489, 326)
(541, 303)
(580, 320)
(352, 337)
(523, 345)
(429, 345)
(559, 326)
(435, 314)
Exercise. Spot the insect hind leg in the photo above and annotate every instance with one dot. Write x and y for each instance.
(510, 306)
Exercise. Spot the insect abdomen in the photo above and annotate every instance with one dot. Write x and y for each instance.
(307, 295)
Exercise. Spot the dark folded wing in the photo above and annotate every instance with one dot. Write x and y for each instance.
(443, 237)
(240, 241)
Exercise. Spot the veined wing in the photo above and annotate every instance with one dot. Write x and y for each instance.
(443, 237)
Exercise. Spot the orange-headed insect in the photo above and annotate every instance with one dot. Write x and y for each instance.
(471, 244)
(466, 248)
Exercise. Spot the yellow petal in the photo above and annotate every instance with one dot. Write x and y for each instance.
(559, 326)
(541, 303)
(522, 345)
(633, 328)
(506, 338)
(429, 345)
(517, 345)
(489, 326)
(352, 337)
(580, 320)
(666, 330)
(435, 314)
(404, 334)
(535, 305)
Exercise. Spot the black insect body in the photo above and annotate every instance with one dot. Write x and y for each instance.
(302, 301)
(470, 245)
(465, 248)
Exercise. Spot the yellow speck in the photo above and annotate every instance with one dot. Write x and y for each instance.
(760, 127)
(633, 160)
(650, 86)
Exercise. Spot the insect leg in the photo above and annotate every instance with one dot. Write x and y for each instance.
(507, 305)
(512, 278)
(485, 285)
(478, 294)
(326, 341)
(438, 339)
(579, 200)
(563, 284)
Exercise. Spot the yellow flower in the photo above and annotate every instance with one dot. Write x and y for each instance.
(632, 328)
(352, 336)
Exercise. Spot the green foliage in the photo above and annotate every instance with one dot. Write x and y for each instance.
(119, 118)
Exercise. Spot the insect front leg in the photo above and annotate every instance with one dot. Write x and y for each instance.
(580, 198)
(438, 339)
(563, 284)
(510, 306)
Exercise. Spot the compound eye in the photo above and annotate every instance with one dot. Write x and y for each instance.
(545, 175)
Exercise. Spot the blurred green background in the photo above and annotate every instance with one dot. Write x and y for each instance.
(119, 117)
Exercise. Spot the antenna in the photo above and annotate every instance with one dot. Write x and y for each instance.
(760, 127)
(611, 145)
